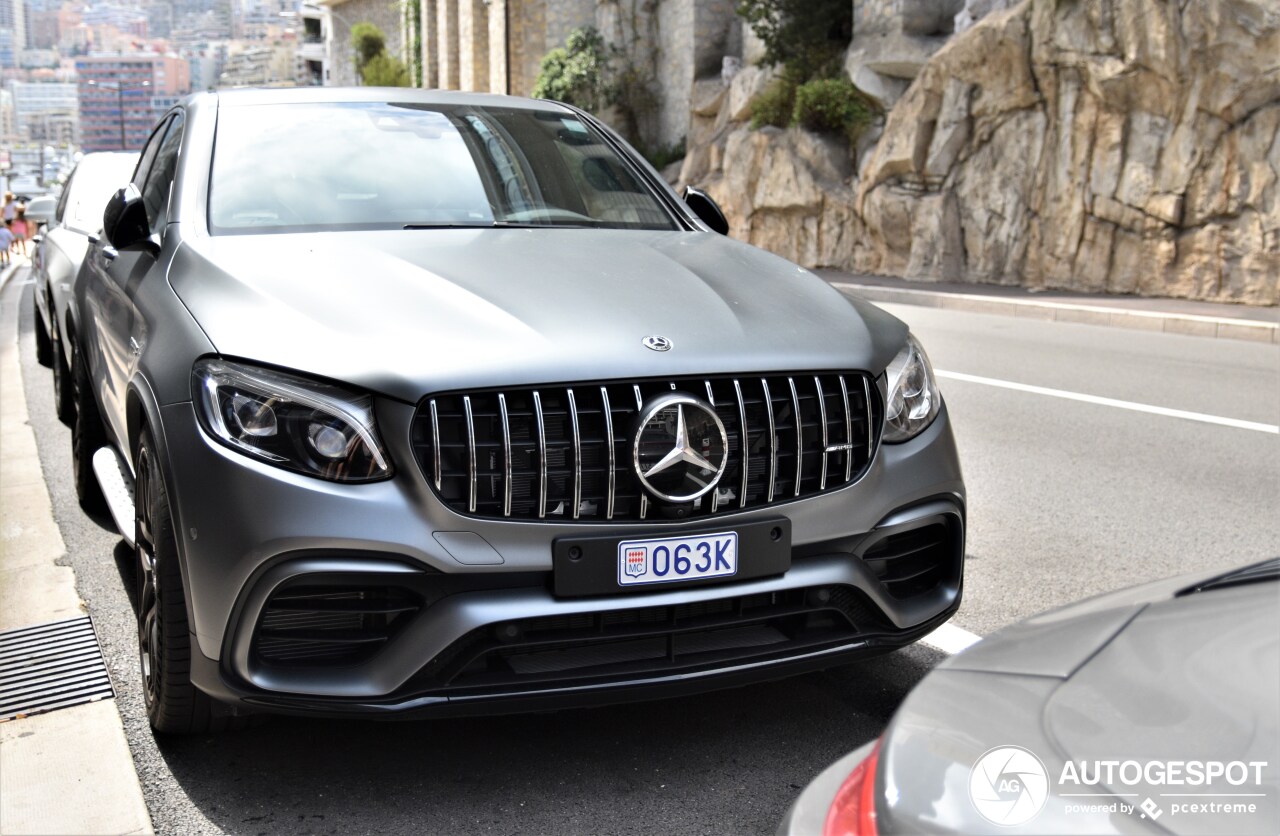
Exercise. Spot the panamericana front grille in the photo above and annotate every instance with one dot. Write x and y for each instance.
(565, 453)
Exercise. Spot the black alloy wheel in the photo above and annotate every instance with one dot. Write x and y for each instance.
(174, 704)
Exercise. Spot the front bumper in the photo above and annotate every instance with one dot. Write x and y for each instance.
(493, 636)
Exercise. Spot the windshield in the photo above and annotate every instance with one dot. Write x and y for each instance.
(304, 167)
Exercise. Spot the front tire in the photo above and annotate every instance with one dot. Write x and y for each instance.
(44, 344)
(174, 704)
(63, 399)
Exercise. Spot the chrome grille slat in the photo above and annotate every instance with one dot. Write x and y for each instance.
(848, 430)
(435, 442)
(612, 452)
(822, 416)
(471, 454)
(773, 438)
(577, 455)
(715, 492)
(506, 455)
(644, 500)
(795, 416)
(477, 449)
(542, 456)
(871, 434)
(746, 461)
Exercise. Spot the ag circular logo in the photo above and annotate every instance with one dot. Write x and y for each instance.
(1008, 786)
(657, 342)
(680, 449)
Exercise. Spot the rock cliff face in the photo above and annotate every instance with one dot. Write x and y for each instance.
(1129, 146)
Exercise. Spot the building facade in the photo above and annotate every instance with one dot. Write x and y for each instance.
(45, 108)
(115, 94)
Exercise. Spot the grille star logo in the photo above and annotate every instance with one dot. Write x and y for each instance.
(682, 452)
(680, 449)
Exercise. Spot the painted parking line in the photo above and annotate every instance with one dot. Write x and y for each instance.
(1130, 405)
(951, 639)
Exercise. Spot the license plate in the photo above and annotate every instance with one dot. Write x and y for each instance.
(669, 559)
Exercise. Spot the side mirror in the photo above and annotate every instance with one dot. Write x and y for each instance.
(124, 222)
(707, 210)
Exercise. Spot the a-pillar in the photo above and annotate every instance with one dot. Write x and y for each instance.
(473, 45)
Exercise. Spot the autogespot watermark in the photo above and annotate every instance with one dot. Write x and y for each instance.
(1009, 786)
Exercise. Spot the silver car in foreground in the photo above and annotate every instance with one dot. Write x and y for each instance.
(1151, 710)
(444, 403)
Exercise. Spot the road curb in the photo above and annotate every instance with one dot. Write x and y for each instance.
(1166, 322)
(69, 770)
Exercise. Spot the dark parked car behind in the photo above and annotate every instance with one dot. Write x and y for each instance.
(445, 403)
(57, 257)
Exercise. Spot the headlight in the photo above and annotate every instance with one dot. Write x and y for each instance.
(290, 422)
(914, 398)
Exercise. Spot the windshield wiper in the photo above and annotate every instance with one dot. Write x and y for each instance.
(585, 224)
(1267, 570)
(450, 225)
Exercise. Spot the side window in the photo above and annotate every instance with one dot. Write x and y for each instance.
(155, 195)
(149, 154)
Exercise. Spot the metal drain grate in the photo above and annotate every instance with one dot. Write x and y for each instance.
(50, 666)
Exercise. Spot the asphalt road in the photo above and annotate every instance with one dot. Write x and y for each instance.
(1067, 499)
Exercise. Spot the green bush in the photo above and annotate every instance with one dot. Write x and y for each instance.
(576, 73)
(368, 42)
(833, 105)
(775, 105)
(385, 70)
(808, 37)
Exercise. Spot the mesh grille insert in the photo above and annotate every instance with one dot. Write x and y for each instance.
(318, 625)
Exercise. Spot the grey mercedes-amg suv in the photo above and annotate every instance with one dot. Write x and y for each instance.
(444, 403)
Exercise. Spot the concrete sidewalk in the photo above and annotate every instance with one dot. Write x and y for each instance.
(68, 771)
(1174, 316)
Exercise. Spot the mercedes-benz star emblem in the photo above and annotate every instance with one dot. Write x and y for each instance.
(681, 449)
(657, 342)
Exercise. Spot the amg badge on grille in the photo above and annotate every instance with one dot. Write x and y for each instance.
(681, 448)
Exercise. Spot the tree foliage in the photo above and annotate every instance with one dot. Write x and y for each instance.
(368, 42)
(386, 70)
(577, 73)
(806, 37)
(374, 65)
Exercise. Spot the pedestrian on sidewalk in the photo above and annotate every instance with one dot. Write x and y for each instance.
(21, 228)
(6, 241)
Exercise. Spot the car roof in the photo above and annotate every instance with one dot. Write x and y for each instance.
(249, 96)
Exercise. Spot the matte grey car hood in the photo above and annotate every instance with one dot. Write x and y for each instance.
(409, 312)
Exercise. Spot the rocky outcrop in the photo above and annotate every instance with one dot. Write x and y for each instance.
(1127, 146)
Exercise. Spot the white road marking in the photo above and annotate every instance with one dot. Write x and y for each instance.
(951, 639)
(1095, 399)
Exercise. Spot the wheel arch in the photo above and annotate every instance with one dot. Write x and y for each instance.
(142, 411)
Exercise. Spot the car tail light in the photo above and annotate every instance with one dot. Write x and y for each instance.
(853, 811)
